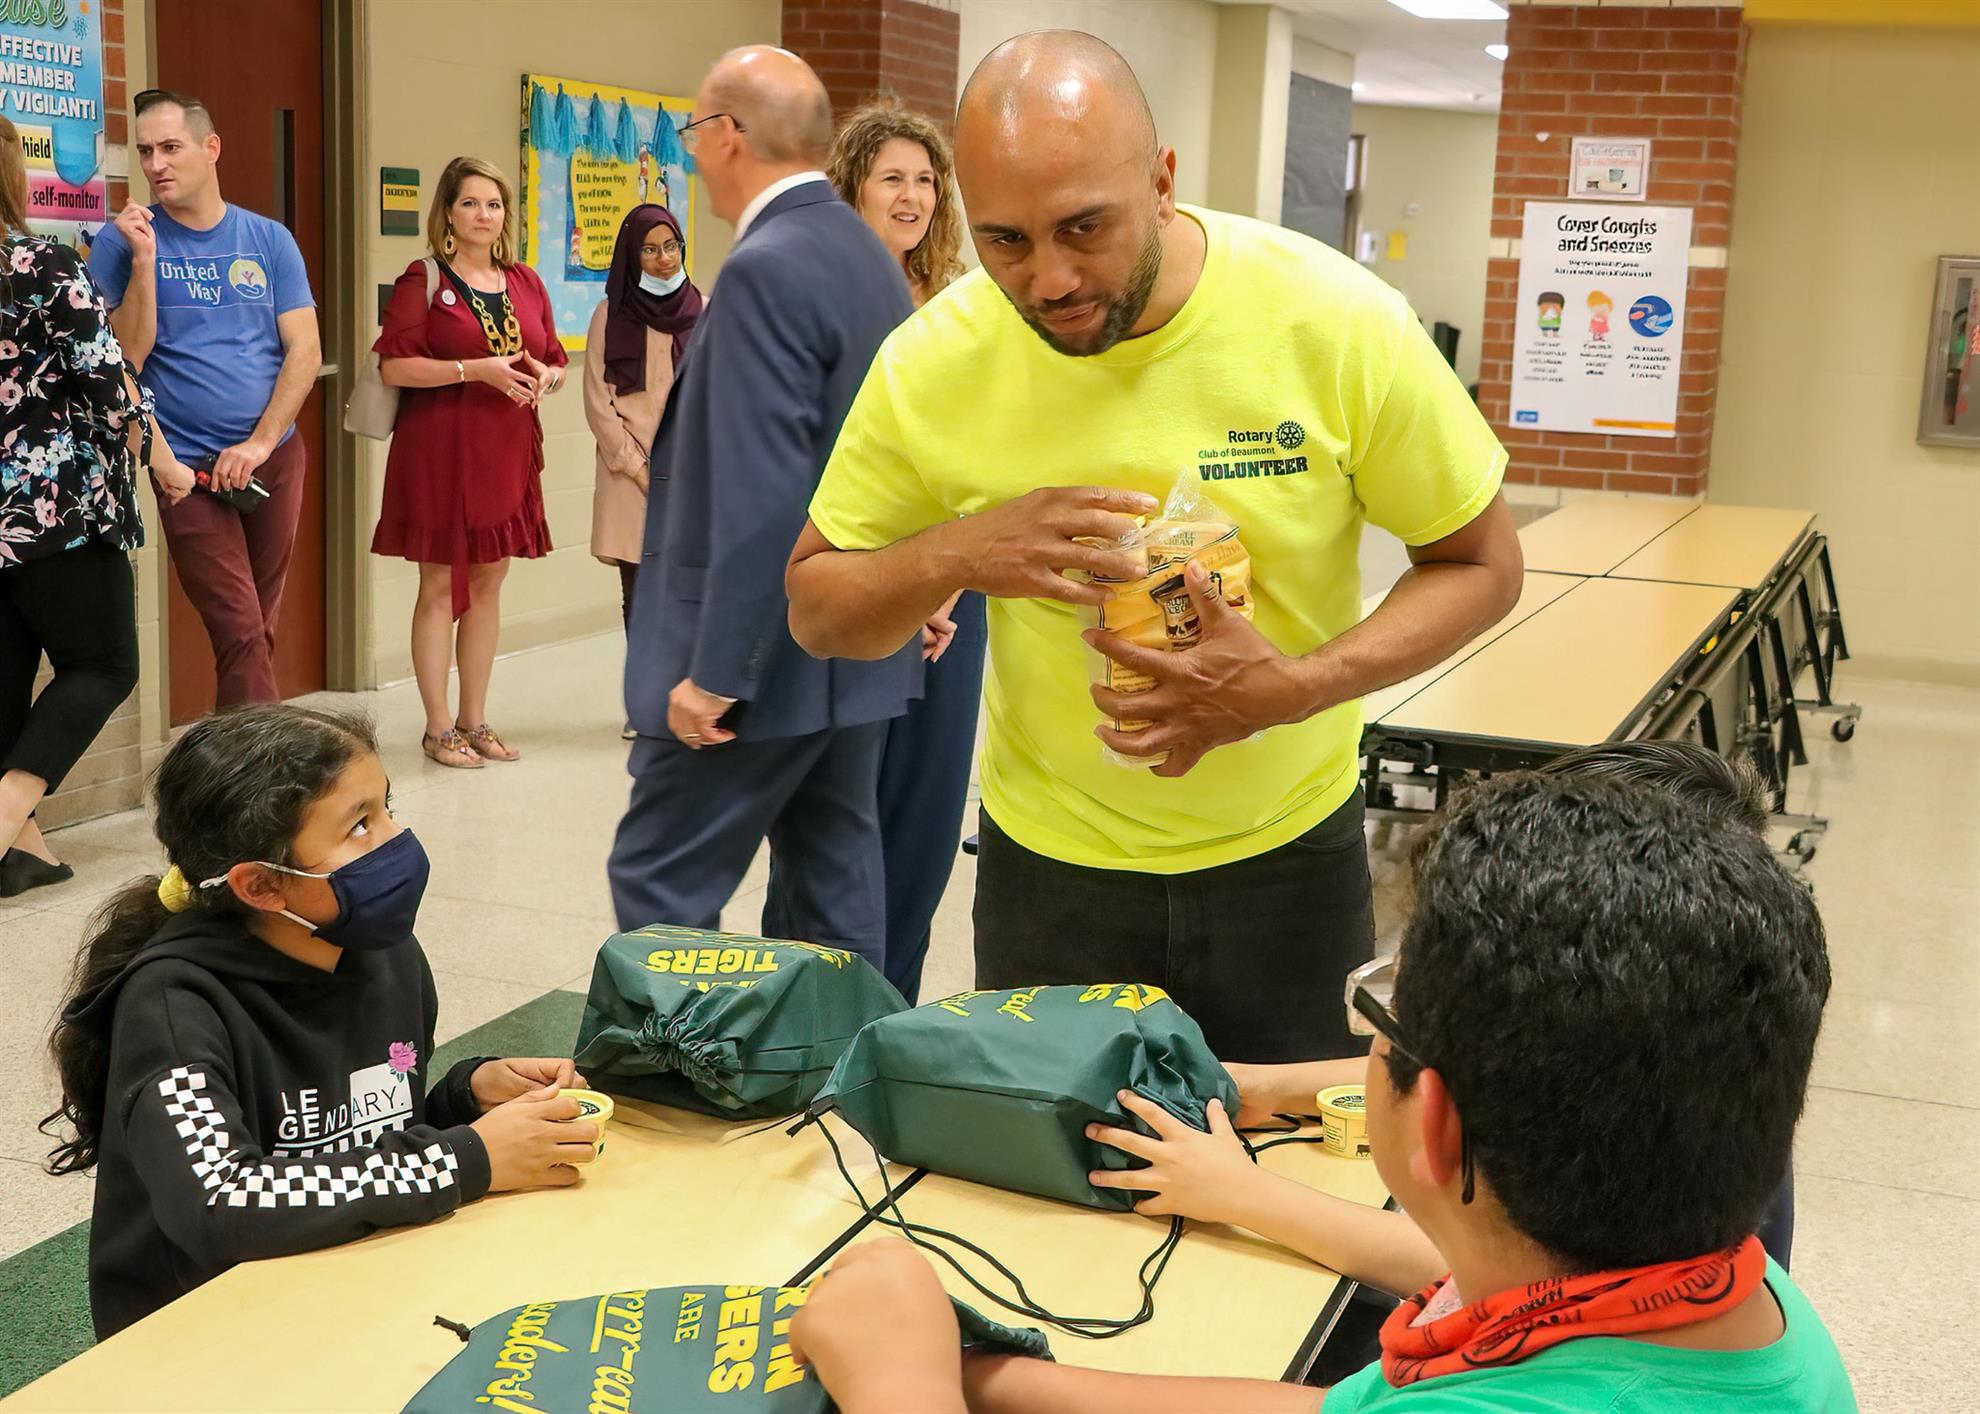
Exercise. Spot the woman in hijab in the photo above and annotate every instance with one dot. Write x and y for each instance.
(638, 334)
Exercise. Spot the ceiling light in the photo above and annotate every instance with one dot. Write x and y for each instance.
(1357, 86)
(1497, 51)
(1452, 9)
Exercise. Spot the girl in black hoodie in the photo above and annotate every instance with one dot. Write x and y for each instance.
(244, 1053)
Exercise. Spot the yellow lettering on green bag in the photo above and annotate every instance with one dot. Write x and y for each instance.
(783, 1370)
(687, 1326)
(711, 962)
(956, 1005)
(738, 1335)
(1017, 1003)
(1134, 996)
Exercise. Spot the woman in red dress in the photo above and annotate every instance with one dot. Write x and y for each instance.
(463, 481)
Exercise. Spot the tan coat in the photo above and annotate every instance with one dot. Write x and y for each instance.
(623, 425)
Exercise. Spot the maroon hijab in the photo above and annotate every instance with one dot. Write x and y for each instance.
(630, 311)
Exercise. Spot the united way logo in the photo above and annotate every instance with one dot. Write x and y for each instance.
(1289, 435)
(247, 277)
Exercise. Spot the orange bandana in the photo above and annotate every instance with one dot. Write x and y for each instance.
(1508, 1327)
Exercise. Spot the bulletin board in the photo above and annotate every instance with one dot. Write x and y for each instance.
(591, 152)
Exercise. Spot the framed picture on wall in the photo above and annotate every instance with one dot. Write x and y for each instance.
(1949, 412)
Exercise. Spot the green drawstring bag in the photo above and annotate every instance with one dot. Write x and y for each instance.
(670, 1350)
(719, 1023)
(998, 1087)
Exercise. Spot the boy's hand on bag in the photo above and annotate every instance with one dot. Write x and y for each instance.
(535, 1141)
(1259, 1101)
(1196, 1175)
(497, 1082)
(1021, 549)
(881, 1333)
(1229, 685)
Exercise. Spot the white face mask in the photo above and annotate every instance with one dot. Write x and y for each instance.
(654, 285)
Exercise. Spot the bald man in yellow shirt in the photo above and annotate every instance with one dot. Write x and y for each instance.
(1111, 340)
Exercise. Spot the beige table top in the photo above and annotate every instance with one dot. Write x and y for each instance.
(1535, 594)
(1594, 536)
(1576, 671)
(1229, 1303)
(1736, 546)
(676, 1198)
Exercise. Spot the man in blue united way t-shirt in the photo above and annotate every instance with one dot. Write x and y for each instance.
(213, 307)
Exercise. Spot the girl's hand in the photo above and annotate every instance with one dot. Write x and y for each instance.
(497, 1082)
(173, 479)
(536, 1141)
(881, 1333)
(504, 375)
(1203, 1176)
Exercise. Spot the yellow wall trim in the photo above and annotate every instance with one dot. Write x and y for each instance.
(1880, 14)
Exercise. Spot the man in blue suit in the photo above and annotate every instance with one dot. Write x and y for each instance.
(742, 736)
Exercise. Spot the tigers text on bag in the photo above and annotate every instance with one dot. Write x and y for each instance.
(711, 1349)
(732, 1026)
(999, 1087)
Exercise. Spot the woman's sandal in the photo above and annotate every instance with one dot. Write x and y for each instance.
(491, 746)
(451, 748)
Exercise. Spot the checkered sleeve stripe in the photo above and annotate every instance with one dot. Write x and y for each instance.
(198, 1123)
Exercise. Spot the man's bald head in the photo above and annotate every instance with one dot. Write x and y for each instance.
(777, 100)
(1068, 192)
(1053, 79)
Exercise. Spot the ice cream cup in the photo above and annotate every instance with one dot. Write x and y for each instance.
(1344, 1121)
(593, 1108)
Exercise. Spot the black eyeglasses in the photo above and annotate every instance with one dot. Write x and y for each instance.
(689, 136)
(1371, 988)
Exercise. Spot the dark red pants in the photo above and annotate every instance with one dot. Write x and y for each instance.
(233, 567)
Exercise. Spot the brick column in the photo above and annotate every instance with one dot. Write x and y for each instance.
(1669, 74)
(861, 47)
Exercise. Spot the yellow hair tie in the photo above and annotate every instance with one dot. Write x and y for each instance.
(174, 892)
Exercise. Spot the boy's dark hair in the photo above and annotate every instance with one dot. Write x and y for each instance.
(1622, 993)
(235, 786)
(1710, 782)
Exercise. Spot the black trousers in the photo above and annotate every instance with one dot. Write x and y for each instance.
(77, 606)
(1255, 951)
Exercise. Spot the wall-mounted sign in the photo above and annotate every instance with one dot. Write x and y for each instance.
(1949, 416)
(1609, 168)
(1599, 334)
(398, 201)
(51, 86)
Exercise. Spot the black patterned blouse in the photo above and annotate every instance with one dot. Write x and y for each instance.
(66, 477)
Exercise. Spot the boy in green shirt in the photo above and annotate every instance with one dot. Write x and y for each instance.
(1587, 1067)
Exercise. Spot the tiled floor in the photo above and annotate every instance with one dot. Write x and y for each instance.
(1889, 1159)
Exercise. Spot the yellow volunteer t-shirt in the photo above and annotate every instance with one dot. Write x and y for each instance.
(1307, 396)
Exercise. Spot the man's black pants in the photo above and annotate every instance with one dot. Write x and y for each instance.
(1255, 951)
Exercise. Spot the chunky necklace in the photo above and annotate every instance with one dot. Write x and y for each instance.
(505, 338)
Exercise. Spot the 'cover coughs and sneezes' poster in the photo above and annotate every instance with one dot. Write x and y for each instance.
(1598, 335)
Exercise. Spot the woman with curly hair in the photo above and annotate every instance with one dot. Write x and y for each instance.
(893, 167)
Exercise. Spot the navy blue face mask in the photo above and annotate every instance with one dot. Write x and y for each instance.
(377, 895)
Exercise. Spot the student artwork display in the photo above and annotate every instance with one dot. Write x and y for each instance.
(592, 152)
(1598, 341)
(51, 86)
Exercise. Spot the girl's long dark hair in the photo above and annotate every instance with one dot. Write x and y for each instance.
(235, 786)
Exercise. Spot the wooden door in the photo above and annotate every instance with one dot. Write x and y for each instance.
(258, 67)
